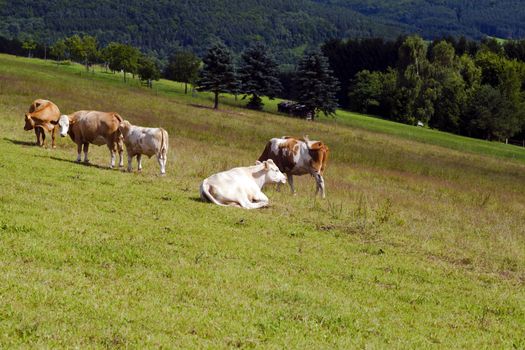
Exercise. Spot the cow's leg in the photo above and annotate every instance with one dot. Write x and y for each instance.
(40, 136)
(43, 133)
(112, 162)
(79, 152)
(86, 149)
(320, 185)
(290, 182)
(130, 160)
(260, 200)
(162, 163)
(53, 136)
(37, 135)
(254, 205)
(139, 161)
(112, 146)
(120, 149)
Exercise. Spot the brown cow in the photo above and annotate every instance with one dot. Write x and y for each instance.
(42, 116)
(98, 128)
(294, 156)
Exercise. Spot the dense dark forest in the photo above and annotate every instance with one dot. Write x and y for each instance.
(161, 27)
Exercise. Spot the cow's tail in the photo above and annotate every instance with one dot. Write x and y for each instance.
(206, 195)
(164, 143)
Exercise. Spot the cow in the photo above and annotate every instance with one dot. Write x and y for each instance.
(294, 156)
(241, 187)
(148, 141)
(98, 128)
(42, 116)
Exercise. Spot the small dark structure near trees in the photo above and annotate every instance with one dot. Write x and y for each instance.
(295, 109)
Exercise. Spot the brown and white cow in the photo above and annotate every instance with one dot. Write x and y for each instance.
(241, 187)
(148, 141)
(296, 156)
(98, 128)
(42, 116)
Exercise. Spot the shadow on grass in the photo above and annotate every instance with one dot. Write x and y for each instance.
(80, 163)
(21, 143)
(197, 199)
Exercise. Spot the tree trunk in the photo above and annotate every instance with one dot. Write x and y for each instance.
(185, 88)
(216, 103)
(124, 76)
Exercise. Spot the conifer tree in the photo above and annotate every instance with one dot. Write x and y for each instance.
(218, 73)
(258, 75)
(316, 85)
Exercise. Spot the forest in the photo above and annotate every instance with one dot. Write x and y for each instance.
(288, 27)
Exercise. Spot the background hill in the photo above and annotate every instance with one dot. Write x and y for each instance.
(286, 26)
(419, 243)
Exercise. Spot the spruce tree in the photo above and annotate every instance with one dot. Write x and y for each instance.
(316, 85)
(258, 75)
(218, 73)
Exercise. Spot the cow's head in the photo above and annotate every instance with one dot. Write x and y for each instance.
(30, 123)
(63, 123)
(272, 172)
(124, 127)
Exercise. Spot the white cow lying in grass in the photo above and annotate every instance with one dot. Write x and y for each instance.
(148, 141)
(241, 187)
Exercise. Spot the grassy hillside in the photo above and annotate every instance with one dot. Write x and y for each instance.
(419, 244)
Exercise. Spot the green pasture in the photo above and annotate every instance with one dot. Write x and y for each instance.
(419, 244)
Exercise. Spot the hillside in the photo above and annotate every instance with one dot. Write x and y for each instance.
(420, 242)
(286, 26)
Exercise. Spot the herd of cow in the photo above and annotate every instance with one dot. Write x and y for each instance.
(241, 187)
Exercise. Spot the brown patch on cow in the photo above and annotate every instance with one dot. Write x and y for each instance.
(284, 157)
(319, 153)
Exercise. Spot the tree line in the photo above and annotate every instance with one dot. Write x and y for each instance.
(465, 87)
(253, 76)
(461, 86)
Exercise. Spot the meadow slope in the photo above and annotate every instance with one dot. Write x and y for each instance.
(420, 243)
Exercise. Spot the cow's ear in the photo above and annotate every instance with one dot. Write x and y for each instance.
(257, 162)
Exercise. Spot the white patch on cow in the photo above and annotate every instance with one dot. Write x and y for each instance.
(63, 123)
(275, 145)
(148, 141)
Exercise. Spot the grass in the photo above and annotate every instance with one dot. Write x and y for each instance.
(420, 243)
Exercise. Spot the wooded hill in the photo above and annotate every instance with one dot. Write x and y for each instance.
(288, 27)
